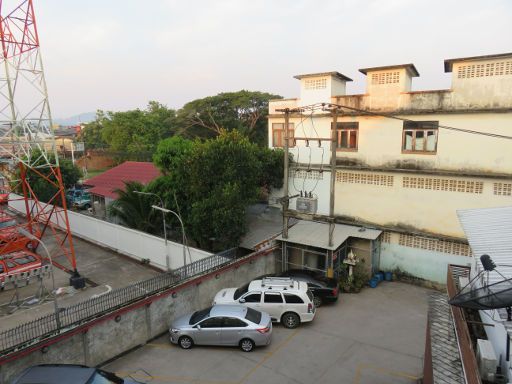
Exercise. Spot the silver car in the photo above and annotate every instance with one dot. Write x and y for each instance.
(223, 325)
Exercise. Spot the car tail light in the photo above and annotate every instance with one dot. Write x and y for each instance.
(263, 330)
(335, 291)
(310, 308)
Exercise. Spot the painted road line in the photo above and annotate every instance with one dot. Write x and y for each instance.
(388, 372)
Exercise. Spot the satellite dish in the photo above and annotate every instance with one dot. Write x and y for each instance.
(492, 296)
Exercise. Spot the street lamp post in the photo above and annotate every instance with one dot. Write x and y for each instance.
(167, 259)
(26, 233)
(165, 210)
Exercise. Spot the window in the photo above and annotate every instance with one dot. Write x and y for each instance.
(1, 268)
(347, 136)
(240, 291)
(253, 315)
(10, 264)
(273, 297)
(199, 315)
(278, 134)
(213, 322)
(233, 322)
(385, 78)
(293, 299)
(315, 84)
(420, 136)
(253, 297)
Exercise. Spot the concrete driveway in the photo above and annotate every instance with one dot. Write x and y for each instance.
(376, 336)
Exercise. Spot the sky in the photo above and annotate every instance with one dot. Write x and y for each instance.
(119, 54)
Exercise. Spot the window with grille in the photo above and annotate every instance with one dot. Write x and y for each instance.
(347, 134)
(385, 78)
(503, 189)
(499, 68)
(431, 244)
(307, 174)
(278, 132)
(385, 237)
(420, 136)
(364, 178)
(449, 185)
(315, 84)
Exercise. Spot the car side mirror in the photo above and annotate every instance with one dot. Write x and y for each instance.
(241, 301)
(198, 327)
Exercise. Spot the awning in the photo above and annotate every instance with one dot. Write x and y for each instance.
(317, 234)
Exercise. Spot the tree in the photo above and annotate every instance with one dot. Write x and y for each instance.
(45, 190)
(210, 183)
(91, 134)
(134, 210)
(132, 132)
(244, 111)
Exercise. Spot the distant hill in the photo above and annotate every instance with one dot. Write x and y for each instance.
(77, 119)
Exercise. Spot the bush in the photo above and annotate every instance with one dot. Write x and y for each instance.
(358, 279)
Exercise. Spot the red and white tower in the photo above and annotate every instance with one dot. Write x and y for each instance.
(27, 145)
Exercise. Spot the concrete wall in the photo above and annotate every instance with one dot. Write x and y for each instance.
(422, 263)
(380, 142)
(136, 244)
(393, 200)
(108, 337)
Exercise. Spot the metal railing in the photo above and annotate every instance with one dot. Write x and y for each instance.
(46, 326)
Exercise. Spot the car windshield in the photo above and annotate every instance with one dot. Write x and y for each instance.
(240, 291)
(253, 315)
(6, 224)
(199, 315)
(105, 378)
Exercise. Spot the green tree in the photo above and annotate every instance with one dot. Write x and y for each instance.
(245, 111)
(210, 183)
(137, 131)
(45, 188)
(91, 134)
(134, 210)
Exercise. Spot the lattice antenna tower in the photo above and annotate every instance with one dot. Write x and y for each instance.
(27, 143)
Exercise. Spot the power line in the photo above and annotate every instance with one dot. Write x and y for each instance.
(495, 135)
(326, 106)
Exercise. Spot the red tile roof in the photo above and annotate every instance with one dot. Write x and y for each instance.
(105, 183)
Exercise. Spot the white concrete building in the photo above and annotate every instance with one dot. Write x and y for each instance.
(401, 167)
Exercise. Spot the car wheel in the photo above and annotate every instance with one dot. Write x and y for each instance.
(246, 345)
(290, 320)
(317, 301)
(185, 342)
(87, 206)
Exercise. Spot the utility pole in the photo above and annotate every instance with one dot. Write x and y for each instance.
(286, 200)
(334, 140)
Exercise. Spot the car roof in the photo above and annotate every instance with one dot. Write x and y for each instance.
(56, 374)
(228, 310)
(259, 285)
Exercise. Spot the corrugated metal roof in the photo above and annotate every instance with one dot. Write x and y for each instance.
(263, 223)
(317, 234)
(105, 183)
(489, 231)
(446, 360)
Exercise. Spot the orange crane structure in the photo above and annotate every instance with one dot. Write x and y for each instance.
(28, 153)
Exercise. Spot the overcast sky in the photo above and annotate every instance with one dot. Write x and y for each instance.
(119, 54)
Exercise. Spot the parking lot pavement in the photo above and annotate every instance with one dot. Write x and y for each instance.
(374, 337)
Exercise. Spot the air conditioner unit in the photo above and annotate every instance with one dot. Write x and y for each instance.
(307, 204)
(486, 358)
